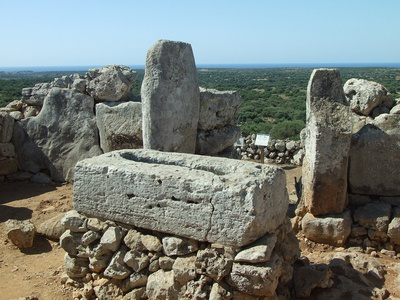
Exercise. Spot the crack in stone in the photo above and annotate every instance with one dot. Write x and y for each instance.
(210, 220)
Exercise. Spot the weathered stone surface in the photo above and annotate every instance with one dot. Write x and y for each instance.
(171, 98)
(374, 216)
(15, 105)
(177, 246)
(215, 141)
(31, 111)
(218, 108)
(327, 145)
(184, 269)
(6, 127)
(394, 230)
(213, 264)
(111, 238)
(90, 237)
(220, 291)
(41, 178)
(75, 267)
(117, 268)
(133, 239)
(364, 95)
(17, 115)
(375, 153)
(151, 243)
(70, 241)
(21, 233)
(256, 279)
(166, 263)
(259, 251)
(329, 229)
(35, 95)
(74, 221)
(52, 228)
(135, 280)
(111, 83)
(205, 198)
(161, 285)
(59, 136)
(120, 126)
(198, 289)
(136, 260)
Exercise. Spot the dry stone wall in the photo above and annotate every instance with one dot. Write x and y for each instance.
(110, 258)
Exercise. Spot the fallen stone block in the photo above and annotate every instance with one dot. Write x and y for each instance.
(204, 198)
(330, 229)
(21, 233)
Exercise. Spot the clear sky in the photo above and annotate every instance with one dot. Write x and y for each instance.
(97, 32)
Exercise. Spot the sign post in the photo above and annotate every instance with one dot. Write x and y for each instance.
(262, 141)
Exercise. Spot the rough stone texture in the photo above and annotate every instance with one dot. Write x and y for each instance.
(218, 108)
(52, 228)
(205, 198)
(375, 153)
(7, 150)
(171, 98)
(174, 245)
(161, 285)
(327, 144)
(136, 260)
(75, 267)
(257, 280)
(374, 216)
(364, 95)
(70, 241)
(21, 233)
(35, 95)
(74, 221)
(111, 83)
(117, 268)
(111, 238)
(133, 239)
(120, 126)
(184, 269)
(6, 127)
(59, 136)
(331, 229)
(259, 251)
(135, 280)
(213, 264)
(151, 243)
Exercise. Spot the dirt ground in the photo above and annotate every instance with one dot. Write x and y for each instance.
(36, 271)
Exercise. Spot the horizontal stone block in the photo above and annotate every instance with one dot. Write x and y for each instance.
(205, 198)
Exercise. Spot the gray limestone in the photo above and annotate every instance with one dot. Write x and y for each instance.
(20, 232)
(375, 158)
(120, 126)
(59, 136)
(204, 198)
(170, 97)
(327, 144)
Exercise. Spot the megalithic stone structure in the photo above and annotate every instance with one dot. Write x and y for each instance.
(171, 98)
(327, 144)
(204, 198)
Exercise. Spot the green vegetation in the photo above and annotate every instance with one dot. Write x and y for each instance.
(273, 100)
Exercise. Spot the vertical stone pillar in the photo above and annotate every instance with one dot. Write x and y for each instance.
(327, 144)
(171, 98)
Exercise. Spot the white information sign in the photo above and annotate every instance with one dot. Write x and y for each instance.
(262, 140)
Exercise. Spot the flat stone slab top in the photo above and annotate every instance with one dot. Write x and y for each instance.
(212, 199)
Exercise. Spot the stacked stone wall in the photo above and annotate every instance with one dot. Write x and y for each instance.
(110, 258)
(277, 151)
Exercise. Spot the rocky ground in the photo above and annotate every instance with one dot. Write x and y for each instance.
(37, 272)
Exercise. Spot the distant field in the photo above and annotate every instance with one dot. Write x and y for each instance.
(273, 99)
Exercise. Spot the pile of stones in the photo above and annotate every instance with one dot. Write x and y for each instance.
(124, 262)
(277, 151)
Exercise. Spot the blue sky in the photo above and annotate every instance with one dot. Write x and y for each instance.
(88, 32)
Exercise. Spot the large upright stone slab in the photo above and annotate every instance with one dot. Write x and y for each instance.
(63, 133)
(204, 198)
(120, 125)
(327, 144)
(375, 158)
(170, 97)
